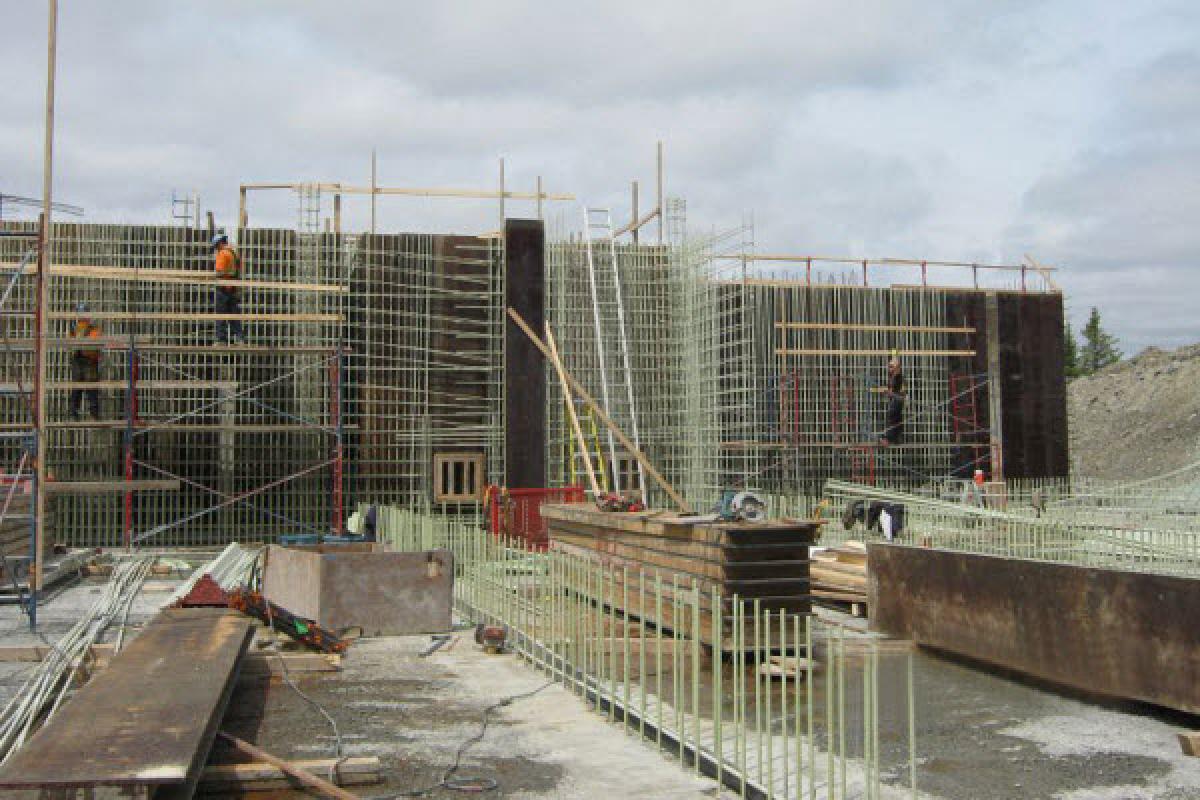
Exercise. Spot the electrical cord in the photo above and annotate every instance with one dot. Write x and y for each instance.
(467, 783)
(340, 757)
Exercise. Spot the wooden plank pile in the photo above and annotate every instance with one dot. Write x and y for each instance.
(767, 562)
(840, 574)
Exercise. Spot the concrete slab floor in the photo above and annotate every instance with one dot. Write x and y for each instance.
(980, 735)
(414, 713)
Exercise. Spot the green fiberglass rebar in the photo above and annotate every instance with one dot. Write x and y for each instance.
(786, 707)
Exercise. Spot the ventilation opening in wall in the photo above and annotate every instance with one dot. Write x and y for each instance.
(626, 472)
(458, 477)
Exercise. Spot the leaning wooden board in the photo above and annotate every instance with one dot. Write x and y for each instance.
(145, 724)
(764, 562)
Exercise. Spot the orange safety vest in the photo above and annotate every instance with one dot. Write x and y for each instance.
(85, 329)
(228, 264)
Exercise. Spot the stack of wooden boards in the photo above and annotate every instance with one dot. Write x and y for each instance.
(840, 574)
(767, 562)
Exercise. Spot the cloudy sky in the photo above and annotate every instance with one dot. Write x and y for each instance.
(949, 130)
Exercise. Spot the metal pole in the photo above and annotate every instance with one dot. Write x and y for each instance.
(43, 310)
(338, 441)
(131, 367)
(374, 189)
(539, 196)
(658, 172)
(502, 196)
(634, 203)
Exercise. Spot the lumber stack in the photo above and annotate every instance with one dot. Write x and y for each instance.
(763, 562)
(840, 574)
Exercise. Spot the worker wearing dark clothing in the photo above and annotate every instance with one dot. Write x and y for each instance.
(85, 366)
(227, 299)
(370, 523)
(897, 390)
(875, 515)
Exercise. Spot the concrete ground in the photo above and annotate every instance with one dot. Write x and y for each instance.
(414, 713)
(980, 735)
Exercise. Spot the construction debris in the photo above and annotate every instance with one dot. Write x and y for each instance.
(280, 619)
(290, 768)
(263, 776)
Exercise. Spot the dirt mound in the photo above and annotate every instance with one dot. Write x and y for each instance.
(1138, 418)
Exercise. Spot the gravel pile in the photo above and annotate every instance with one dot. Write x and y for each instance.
(1138, 418)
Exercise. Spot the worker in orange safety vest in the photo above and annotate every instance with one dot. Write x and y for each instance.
(85, 364)
(226, 298)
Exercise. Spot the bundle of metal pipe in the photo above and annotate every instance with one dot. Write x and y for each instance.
(230, 570)
(47, 687)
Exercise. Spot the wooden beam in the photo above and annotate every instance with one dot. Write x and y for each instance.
(110, 487)
(906, 262)
(269, 663)
(42, 299)
(1189, 743)
(268, 777)
(839, 326)
(307, 778)
(173, 276)
(637, 224)
(150, 346)
(172, 385)
(1044, 271)
(469, 194)
(875, 353)
(147, 316)
(603, 417)
(181, 427)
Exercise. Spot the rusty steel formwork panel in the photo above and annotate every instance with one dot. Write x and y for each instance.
(147, 722)
(1083, 627)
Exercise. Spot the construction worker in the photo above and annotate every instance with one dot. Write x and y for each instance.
(85, 364)
(227, 299)
(896, 391)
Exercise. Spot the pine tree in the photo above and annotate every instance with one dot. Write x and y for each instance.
(1070, 352)
(1099, 346)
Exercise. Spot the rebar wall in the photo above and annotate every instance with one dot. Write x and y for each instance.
(822, 352)
(689, 328)
(250, 432)
(739, 378)
(428, 358)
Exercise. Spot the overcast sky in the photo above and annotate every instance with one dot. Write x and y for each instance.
(947, 130)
